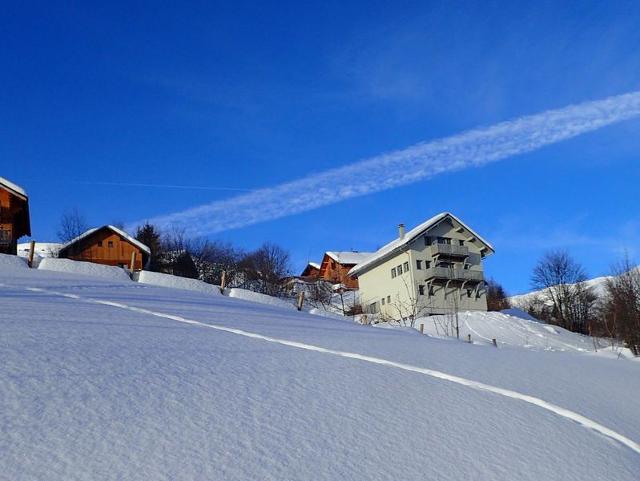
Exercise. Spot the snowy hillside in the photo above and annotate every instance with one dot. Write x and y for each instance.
(106, 379)
(522, 300)
(516, 331)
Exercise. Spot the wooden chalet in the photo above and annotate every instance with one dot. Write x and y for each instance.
(14, 216)
(311, 271)
(335, 267)
(107, 245)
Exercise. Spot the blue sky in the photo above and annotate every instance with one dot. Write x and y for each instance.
(243, 96)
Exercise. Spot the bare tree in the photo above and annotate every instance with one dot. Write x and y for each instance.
(72, 224)
(265, 268)
(562, 280)
(319, 294)
(621, 307)
(212, 258)
(407, 309)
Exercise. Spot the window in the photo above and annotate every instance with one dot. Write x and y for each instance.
(110, 244)
(333, 264)
(427, 264)
(399, 269)
(431, 291)
(393, 273)
(461, 242)
(469, 293)
(427, 240)
(466, 266)
(406, 266)
(421, 290)
(444, 240)
(419, 264)
(99, 243)
(382, 301)
(373, 308)
(388, 299)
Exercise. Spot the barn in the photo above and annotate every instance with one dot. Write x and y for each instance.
(14, 216)
(107, 245)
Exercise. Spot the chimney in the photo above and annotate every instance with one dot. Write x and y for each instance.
(401, 231)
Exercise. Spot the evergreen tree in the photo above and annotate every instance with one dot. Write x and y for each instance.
(496, 297)
(149, 236)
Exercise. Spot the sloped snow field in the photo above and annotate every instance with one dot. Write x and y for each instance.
(108, 379)
(510, 330)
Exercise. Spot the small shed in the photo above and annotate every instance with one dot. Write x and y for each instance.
(107, 245)
(14, 216)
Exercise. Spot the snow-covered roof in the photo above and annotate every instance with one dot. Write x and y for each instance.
(11, 186)
(349, 257)
(398, 243)
(118, 231)
(314, 265)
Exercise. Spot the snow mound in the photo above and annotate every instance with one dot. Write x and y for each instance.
(331, 315)
(515, 312)
(176, 282)
(10, 263)
(84, 268)
(251, 296)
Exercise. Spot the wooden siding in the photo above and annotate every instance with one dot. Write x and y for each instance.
(14, 220)
(336, 273)
(310, 272)
(105, 247)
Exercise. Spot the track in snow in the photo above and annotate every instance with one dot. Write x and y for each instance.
(541, 403)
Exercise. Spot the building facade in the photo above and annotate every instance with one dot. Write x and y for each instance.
(436, 268)
(14, 216)
(335, 267)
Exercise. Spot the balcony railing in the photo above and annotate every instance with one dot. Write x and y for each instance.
(444, 273)
(449, 250)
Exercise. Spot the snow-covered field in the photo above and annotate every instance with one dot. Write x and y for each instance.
(109, 379)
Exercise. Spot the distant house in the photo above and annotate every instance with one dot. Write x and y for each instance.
(14, 216)
(106, 245)
(335, 267)
(311, 271)
(435, 268)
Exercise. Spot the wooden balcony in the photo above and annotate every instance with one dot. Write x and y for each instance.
(449, 250)
(446, 274)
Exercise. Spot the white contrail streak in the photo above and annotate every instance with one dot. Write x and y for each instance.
(473, 148)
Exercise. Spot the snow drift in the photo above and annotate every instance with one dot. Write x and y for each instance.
(84, 268)
(175, 282)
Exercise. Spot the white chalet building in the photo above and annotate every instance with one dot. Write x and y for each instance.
(435, 268)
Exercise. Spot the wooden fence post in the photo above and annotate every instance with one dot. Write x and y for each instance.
(132, 266)
(421, 328)
(32, 249)
(223, 281)
(469, 338)
(300, 300)
(495, 343)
